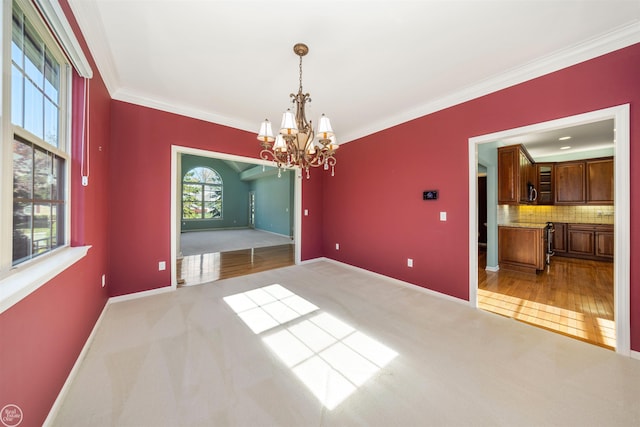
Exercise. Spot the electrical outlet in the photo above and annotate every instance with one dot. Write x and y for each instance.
(409, 262)
(337, 246)
(104, 280)
(162, 266)
(306, 212)
(443, 216)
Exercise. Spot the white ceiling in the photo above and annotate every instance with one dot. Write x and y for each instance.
(585, 138)
(371, 64)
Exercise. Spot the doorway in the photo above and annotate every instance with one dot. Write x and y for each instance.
(252, 209)
(482, 210)
(620, 115)
(176, 205)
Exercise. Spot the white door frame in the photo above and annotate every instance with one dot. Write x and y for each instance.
(176, 150)
(621, 268)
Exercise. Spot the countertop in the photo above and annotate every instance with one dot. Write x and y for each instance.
(544, 224)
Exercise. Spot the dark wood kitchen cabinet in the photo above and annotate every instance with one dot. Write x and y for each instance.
(544, 175)
(516, 172)
(569, 183)
(591, 241)
(580, 239)
(604, 242)
(521, 248)
(559, 238)
(599, 181)
(584, 182)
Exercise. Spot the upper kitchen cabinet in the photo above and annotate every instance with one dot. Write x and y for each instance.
(584, 182)
(516, 174)
(544, 173)
(569, 183)
(599, 181)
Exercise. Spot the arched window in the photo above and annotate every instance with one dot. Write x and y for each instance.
(202, 194)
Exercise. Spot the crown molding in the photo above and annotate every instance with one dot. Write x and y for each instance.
(133, 97)
(99, 47)
(616, 39)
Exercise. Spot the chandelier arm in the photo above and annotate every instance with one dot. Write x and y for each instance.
(331, 161)
(270, 156)
(316, 159)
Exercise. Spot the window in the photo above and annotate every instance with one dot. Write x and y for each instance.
(35, 140)
(35, 146)
(40, 79)
(38, 201)
(35, 82)
(202, 194)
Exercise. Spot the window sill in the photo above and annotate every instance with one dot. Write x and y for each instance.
(25, 279)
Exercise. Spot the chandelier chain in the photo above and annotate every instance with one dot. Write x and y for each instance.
(300, 73)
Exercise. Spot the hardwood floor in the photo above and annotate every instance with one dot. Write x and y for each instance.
(571, 296)
(204, 268)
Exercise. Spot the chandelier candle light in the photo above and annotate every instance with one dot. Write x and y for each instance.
(295, 144)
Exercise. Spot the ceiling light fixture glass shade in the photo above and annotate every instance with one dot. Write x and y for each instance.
(295, 144)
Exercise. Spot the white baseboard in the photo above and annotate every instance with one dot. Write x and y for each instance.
(274, 233)
(634, 354)
(494, 269)
(392, 280)
(142, 294)
(195, 230)
(313, 260)
(74, 371)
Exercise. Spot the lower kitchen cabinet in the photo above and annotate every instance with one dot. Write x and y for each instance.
(604, 243)
(592, 241)
(521, 248)
(560, 238)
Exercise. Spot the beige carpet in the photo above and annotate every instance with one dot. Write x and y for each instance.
(335, 346)
(204, 242)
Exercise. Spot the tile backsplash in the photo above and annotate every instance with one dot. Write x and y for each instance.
(570, 214)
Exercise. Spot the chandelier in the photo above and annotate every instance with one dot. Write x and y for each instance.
(295, 144)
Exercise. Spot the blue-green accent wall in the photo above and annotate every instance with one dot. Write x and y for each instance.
(235, 195)
(274, 203)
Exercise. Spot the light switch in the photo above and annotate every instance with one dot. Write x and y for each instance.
(306, 212)
(443, 216)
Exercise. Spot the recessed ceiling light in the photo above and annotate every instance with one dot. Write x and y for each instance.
(564, 138)
(566, 147)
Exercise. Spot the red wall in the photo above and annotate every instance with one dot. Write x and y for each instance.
(312, 226)
(140, 190)
(373, 206)
(42, 335)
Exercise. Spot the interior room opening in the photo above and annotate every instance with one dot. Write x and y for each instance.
(485, 267)
(221, 217)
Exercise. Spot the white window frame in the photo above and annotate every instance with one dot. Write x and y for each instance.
(17, 282)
